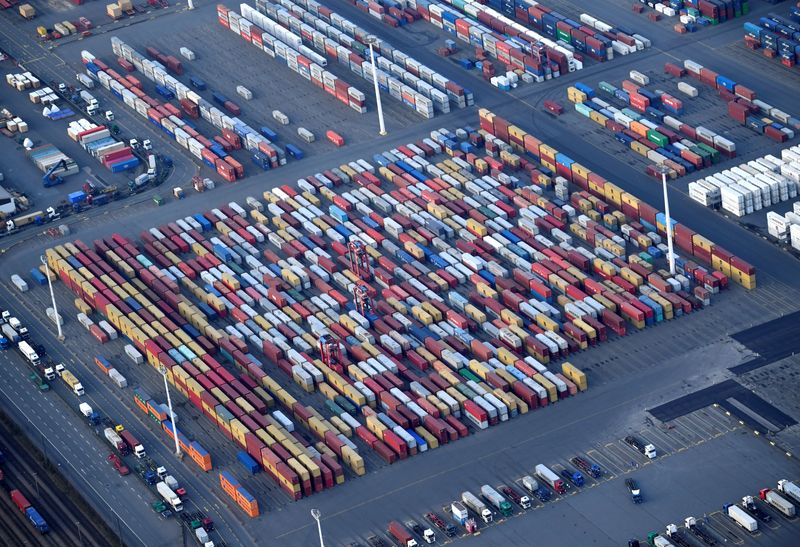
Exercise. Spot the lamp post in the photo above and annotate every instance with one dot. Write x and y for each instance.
(163, 370)
(53, 298)
(371, 40)
(670, 252)
(316, 514)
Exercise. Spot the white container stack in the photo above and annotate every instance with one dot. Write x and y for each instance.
(751, 186)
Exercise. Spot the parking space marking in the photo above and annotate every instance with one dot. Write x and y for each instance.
(712, 424)
(715, 419)
(724, 526)
(676, 436)
(725, 420)
(699, 425)
(663, 442)
(688, 431)
(624, 454)
(621, 462)
(609, 469)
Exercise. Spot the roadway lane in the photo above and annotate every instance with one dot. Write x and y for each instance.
(57, 428)
(118, 404)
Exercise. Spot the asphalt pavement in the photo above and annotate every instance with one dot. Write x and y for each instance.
(602, 414)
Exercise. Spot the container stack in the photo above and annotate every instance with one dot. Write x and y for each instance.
(169, 118)
(649, 126)
(778, 36)
(694, 14)
(238, 494)
(744, 107)
(249, 309)
(401, 75)
(23, 81)
(115, 155)
(47, 156)
(751, 186)
(279, 43)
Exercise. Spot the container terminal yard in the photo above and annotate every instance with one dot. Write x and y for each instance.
(244, 302)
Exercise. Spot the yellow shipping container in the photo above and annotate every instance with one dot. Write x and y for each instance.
(577, 376)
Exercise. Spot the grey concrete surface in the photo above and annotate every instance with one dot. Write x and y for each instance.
(627, 376)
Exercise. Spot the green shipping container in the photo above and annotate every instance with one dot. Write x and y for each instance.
(563, 36)
(333, 407)
(607, 87)
(345, 404)
(657, 138)
(706, 157)
(469, 375)
(715, 155)
(488, 213)
(466, 391)
(646, 257)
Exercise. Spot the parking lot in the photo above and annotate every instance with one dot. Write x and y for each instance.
(604, 503)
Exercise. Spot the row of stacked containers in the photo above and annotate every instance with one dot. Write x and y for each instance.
(540, 41)
(292, 31)
(457, 333)
(169, 118)
(685, 238)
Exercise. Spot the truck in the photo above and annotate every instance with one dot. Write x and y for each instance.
(448, 529)
(587, 467)
(10, 333)
(550, 478)
(740, 517)
(790, 489)
(635, 491)
(780, 503)
(29, 511)
(497, 500)
(399, 532)
(38, 382)
(699, 532)
(657, 540)
(49, 372)
(87, 411)
(459, 511)
(480, 509)
(133, 444)
(427, 534)
(72, 382)
(532, 485)
(675, 535)
(749, 504)
(169, 496)
(511, 493)
(29, 353)
(575, 477)
(115, 440)
(645, 448)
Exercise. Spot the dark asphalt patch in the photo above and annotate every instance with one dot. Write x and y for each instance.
(772, 341)
(720, 393)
